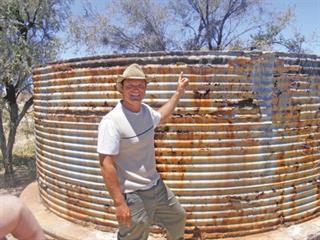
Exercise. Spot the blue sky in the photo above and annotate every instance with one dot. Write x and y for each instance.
(306, 21)
(307, 18)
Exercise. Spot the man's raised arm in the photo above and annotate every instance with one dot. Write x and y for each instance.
(169, 107)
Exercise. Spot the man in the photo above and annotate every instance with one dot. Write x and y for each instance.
(127, 159)
(16, 218)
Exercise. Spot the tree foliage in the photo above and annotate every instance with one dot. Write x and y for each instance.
(271, 34)
(215, 24)
(153, 25)
(27, 30)
(124, 26)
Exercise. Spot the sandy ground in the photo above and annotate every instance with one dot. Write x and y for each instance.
(22, 177)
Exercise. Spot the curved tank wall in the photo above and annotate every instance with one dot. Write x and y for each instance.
(241, 151)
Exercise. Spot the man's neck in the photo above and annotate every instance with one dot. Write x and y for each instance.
(135, 107)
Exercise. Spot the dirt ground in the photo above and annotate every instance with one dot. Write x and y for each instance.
(24, 174)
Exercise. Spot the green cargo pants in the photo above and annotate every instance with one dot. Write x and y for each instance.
(155, 205)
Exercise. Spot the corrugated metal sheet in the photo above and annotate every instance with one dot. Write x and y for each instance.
(241, 150)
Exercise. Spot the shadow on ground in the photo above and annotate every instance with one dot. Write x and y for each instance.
(24, 174)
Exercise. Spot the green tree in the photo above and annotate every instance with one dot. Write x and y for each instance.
(215, 24)
(271, 34)
(153, 25)
(27, 30)
(124, 26)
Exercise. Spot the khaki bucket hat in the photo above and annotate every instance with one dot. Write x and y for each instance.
(133, 71)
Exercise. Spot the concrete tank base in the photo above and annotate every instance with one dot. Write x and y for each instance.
(57, 228)
(61, 229)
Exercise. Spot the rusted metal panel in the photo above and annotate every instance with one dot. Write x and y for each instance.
(241, 151)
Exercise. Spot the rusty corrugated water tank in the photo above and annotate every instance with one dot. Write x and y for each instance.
(241, 150)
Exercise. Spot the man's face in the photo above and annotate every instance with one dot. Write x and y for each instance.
(133, 90)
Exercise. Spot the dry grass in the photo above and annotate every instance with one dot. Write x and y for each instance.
(23, 160)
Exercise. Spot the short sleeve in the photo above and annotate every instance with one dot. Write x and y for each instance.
(108, 138)
(155, 115)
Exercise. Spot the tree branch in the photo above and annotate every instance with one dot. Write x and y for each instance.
(26, 107)
(24, 88)
(240, 34)
(3, 140)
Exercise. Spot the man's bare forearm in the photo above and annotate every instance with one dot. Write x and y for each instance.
(169, 107)
(111, 179)
(166, 109)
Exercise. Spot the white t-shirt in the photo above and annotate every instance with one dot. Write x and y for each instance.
(129, 137)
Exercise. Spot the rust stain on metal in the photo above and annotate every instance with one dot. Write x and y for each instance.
(241, 151)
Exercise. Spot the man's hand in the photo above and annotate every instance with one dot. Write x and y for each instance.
(182, 84)
(123, 214)
(166, 110)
